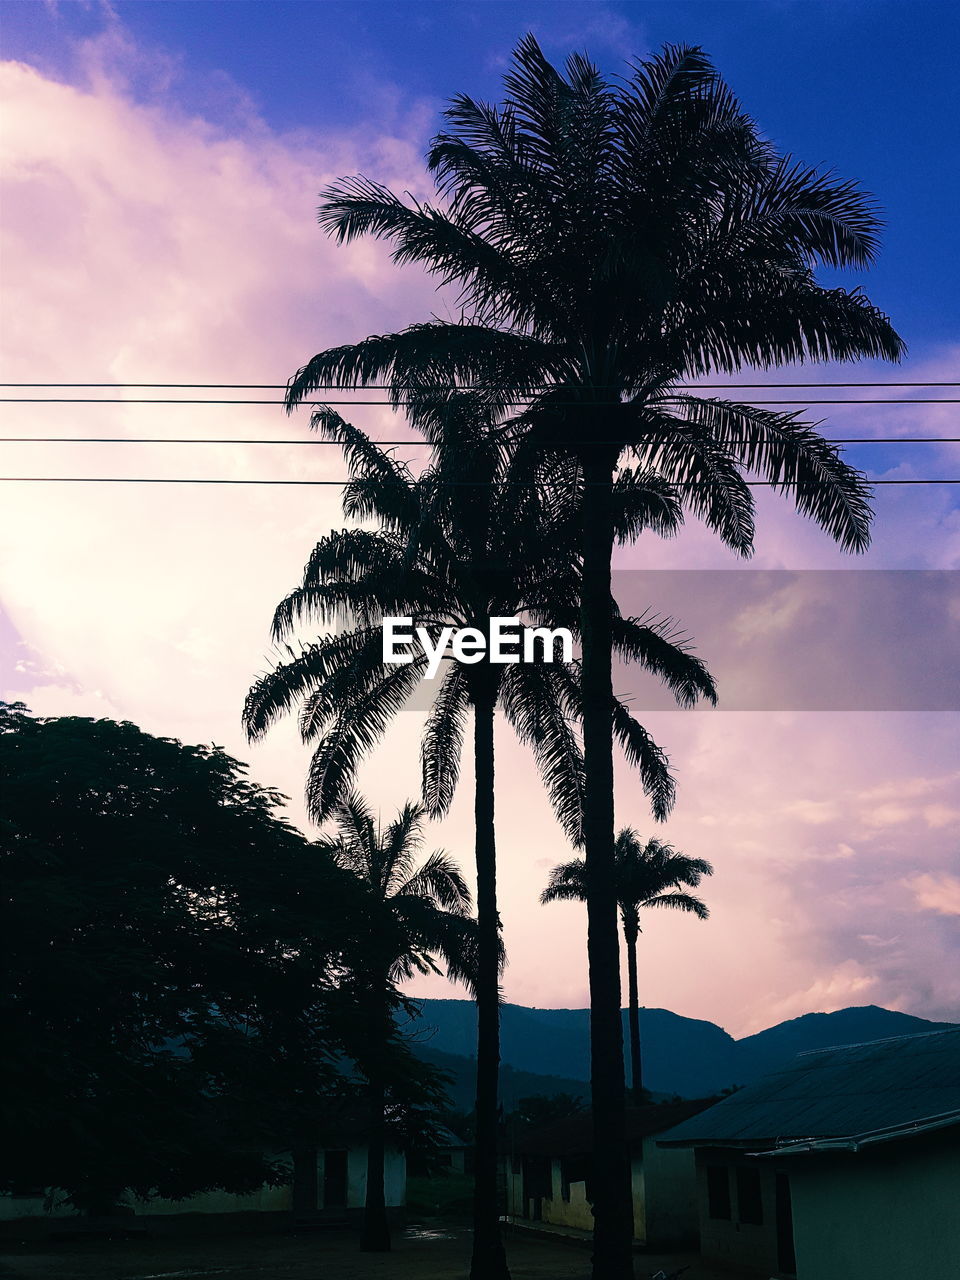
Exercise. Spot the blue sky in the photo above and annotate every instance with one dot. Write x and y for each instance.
(867, 87)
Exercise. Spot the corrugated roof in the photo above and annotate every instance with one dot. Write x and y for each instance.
(857, 1142)
(573, 1135)
(834, 1093)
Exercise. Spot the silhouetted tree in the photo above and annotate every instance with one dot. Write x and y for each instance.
(648, 874)
(420, 911)
(611, 240)
(456, 548)
(160, 987)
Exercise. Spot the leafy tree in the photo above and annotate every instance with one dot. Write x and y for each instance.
(420, 911)
(540, 1109)
(648, 874)
(441, 557)
(612, 240)
(168, 1010)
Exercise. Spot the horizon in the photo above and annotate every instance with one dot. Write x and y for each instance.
(811, 1013)
(160, 179)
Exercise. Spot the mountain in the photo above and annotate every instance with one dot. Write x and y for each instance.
(685, 1056)
(767, 1049)
(514, 1084)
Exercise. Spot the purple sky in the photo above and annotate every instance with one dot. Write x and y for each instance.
(160, 170)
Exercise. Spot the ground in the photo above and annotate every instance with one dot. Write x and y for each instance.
(195, 1251)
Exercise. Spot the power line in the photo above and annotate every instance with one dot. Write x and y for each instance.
(383, 386)
(420, 442)
(785, 484)
(389, 404)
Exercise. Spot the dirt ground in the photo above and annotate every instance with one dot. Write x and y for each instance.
(420, 1253)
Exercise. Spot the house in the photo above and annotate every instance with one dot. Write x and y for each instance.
(547, 1174)
(842, 1165)
(331, 1186)
(451, 1152)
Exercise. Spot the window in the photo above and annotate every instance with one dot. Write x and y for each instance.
(749, 1198)
(718, 1191)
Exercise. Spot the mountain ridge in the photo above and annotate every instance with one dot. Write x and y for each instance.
(691, 1057)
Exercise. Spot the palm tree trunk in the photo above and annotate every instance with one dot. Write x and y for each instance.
(613, 1197)
(633, 999)
(375, 1232)
(489, 1261)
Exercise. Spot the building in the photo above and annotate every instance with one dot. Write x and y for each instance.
(334, 1189)
(842, 1165)
(452, 1153)
(547, 1174)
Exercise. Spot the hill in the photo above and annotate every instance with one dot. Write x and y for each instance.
(514, 1084)
(547, 1050)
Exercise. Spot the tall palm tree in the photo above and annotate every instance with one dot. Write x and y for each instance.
(649, 874)
(449, 552)
(610, 241)
(420, 911)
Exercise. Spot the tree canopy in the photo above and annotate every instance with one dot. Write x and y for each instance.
(173, 992)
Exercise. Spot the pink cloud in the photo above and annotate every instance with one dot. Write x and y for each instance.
(937, 893)
(142, 244)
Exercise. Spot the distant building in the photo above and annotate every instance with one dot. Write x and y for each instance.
(843, 1165)
(336, 1193)
(548, 1175)
(451, 1150)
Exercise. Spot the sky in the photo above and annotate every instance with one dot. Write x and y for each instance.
(160, 164)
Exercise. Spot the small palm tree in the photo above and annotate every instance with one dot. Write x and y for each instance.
(650, 874)
(419, 911)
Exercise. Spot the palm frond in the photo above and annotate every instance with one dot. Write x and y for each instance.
(443, 741)
(399, 846)
(680, 902)
(655, 646)
(503, 363)
(360, 725)
(796, 459)
(567, 883)
(440, 880)
(644, 500)
(534, 700)
(650, 761)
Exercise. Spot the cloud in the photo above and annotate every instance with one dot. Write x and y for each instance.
(848, 984)
(937, 893)
(145, 243)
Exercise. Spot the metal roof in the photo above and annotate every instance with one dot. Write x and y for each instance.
(836, 1093)
(857, 1142)
(573, 1135)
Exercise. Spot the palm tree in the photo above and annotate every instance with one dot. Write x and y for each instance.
(610, 241)
(650, 874)
(443, 558)
(420, 911)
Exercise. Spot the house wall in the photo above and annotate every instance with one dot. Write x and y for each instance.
(732, 1240)
(572, 1212)
(888, 1214)
(266, 1200)
(13, 1208)
(664, 1196)
(394, 1178)
(513, 1188)
(665, 1210)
